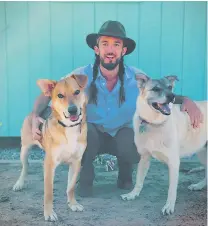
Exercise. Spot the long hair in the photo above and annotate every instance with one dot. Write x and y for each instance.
(93, 89)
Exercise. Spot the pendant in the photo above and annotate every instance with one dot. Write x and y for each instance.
(142, 128)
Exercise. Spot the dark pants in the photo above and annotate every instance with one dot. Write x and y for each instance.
(122, 146)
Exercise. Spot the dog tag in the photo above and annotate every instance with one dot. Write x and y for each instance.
(142, 127)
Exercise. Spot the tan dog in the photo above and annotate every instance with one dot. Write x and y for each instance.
(64, 136)
(165, 133)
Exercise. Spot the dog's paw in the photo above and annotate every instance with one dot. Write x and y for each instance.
(76, 207)
(168, 208)
(129, 196)
(51, 216)
(18, 186)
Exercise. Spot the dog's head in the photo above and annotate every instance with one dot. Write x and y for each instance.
(67, 96)
(156, 95)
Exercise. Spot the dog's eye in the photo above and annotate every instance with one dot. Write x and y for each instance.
(156, 89)
(76, 92)
(170, 87)
(60, 95)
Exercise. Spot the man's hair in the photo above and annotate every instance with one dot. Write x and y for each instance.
(93, 88)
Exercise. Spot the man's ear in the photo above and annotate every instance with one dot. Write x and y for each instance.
(141, 80)
(172, 79)
(96, 50)
(124, 51)
(46, 86)
(81, 80)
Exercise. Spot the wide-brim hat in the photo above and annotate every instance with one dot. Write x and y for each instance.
(112, 29)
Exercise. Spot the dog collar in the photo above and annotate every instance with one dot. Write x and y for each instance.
(62, 124)
(143, 125)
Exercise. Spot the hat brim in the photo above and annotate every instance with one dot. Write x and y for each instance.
(91, 40)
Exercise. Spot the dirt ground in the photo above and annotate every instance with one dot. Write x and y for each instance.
(106, 207)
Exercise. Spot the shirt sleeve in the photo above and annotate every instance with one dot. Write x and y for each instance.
(79, 70)
(137, 70)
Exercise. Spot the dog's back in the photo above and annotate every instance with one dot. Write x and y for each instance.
(191, 139)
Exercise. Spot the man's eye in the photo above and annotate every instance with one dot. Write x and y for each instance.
(77, 92)
(60, 95)
(156, 89)
(170, 87)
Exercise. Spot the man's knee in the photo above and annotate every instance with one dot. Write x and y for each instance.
(126, 147)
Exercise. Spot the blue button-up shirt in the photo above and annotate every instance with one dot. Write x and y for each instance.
(108, 116)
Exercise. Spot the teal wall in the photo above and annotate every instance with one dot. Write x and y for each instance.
(47, 40)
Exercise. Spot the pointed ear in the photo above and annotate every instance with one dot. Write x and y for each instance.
(172, 79)
(141, 80)
(81, 80)
(46, 86)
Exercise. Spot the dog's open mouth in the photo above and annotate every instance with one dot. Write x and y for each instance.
(163, 108)
(73, 118)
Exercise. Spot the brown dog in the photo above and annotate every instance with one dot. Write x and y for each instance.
(64, 136)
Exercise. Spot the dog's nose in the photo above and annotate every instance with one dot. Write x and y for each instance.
(171, 97)
(72, 109)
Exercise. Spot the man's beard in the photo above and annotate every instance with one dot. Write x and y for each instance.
(110, 66)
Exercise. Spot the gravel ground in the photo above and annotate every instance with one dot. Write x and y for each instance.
(105, 207)
(14, 154)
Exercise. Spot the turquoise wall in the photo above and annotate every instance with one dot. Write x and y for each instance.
(47, 40)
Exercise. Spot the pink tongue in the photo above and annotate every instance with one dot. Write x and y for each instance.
(73, 117)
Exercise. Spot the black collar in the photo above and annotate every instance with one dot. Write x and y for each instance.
(62, 124)
(144, 122)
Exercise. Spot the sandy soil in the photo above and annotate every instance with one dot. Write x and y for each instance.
(106, 207)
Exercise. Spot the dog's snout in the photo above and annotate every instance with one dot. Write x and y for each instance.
(171, 97)
(72, 109)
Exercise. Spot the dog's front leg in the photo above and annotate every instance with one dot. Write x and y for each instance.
(72, 178)
(49, 171)
(142, 170)
(173, 166)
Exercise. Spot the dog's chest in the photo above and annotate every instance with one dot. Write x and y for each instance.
(71, 149)
(151, 139)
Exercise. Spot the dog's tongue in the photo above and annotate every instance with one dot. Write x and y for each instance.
(165, 107)
(73, 117)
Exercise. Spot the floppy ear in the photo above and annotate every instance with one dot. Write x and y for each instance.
(81, 80)
(141, 80)
(172, 79)
(46, 86)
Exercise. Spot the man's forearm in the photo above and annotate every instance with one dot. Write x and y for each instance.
(179, 99)
(41, 104)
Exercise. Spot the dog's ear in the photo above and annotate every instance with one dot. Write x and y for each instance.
(81, 80)
(46, 86)
(172, 79)
(141, 80)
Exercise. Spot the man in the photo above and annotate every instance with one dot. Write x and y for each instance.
(112, 91)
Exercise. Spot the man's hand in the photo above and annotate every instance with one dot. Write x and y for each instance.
(36, 121)
(193, 111)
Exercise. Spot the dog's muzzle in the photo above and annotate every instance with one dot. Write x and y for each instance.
(73, 113)
(165, 108)
(170, 98)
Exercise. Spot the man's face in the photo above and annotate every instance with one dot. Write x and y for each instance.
(110, 50)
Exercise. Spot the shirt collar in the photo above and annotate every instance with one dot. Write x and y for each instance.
(126, 75)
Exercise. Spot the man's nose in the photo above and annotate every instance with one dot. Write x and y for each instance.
(110, 49)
